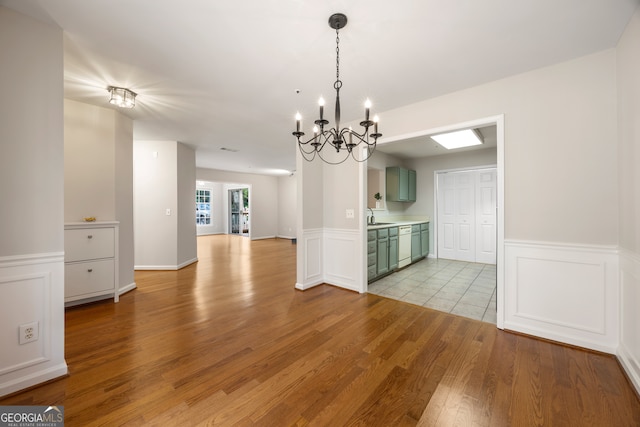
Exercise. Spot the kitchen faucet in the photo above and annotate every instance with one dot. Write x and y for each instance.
(373, 218)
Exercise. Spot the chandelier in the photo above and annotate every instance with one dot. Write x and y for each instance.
(345, 140)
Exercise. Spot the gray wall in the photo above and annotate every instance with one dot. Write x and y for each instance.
(560, 146)
(31, 134)
(287, 210)
(164, 178)
(98, 173)
(186, 233)
(32, 194)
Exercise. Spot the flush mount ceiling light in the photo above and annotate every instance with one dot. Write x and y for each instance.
(342, 140)
(122, 97)
(458, 139)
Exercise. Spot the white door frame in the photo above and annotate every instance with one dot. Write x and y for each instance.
(498, 121)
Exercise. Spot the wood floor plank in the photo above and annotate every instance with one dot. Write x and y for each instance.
(229, 341)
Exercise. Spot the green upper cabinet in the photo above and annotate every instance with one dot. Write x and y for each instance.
(401, 184)
(412, 185)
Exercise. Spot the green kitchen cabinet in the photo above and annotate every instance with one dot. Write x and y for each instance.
(382, 251)
(424, 239)
(393, 248)
(401, 184)
(372, 269)
(416, 245)
(412, 185)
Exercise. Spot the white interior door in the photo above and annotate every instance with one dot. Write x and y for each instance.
(467, 215)
(456, 216)
(446, 216)
(486, 220)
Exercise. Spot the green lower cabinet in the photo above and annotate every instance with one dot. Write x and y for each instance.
(383, 251)
(393, 248)
(424, 239)
(372, 270)
(416, 246)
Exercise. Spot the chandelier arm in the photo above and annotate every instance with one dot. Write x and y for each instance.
(308, 156)
(329, 162)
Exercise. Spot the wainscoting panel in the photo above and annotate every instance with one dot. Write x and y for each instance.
(629, 350)
(342, 249)
(310, 259)
(563, 293)
(32, 289)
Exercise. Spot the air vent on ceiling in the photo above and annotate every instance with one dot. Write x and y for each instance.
(232, 150)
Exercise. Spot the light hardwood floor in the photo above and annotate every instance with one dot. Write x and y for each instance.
(229, 341)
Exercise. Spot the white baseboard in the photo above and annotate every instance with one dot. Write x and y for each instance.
(304, 287)
(125, 289)
(34, 378)
(165, 267)
(630, 366)
(285, 237)
(629, 348)
(263, 237)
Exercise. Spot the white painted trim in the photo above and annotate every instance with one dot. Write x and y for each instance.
(260, 237)
(166, 267)
(41, 360)
(35, 378)
(629, 347)
(304, 287)
(500, 245)
(188, 262)
(630, 366)
(311, 264)
(285, 237)
(340, 248)
(124, 289)
(566, 293)
(45, 279)
(31, 259)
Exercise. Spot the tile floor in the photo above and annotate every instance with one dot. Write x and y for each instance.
(457, 287)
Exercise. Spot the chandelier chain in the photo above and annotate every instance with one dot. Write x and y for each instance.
(338, 83)
(337, 55)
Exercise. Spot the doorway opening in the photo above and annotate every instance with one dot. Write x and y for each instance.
(227, 208)
(239, 211)
(494, 273)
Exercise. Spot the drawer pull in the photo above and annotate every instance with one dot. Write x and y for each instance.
(90, 236)
(90, 270)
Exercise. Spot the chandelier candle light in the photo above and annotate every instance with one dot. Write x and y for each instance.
(340, 139)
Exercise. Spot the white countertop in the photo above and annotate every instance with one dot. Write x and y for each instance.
(393, 224)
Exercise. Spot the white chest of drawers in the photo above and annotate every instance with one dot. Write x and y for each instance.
(90, 261)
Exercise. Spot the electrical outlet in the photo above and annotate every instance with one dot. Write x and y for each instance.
(28, 332)
(350, 213)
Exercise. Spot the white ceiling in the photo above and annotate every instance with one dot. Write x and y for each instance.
(215, 74)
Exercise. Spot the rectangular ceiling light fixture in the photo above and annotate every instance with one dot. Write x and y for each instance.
(458, 139)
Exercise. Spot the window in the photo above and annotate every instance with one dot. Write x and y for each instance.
(203, 206)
